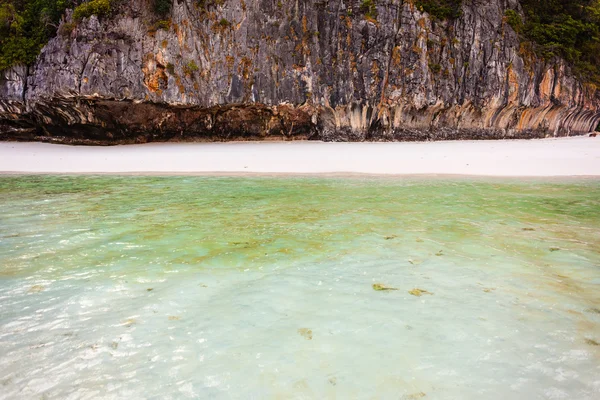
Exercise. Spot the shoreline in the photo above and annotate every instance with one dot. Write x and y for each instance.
(324, 175)
(577, 157)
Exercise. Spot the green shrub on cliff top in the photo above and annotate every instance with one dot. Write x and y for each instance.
(98, 8)
(566, 28)
(25, 27)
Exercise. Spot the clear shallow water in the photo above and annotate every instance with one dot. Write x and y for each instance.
(184, 287)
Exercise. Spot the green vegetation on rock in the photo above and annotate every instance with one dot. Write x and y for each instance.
(514, 20)
(369, 9)
(205, 4)
(99, 8)
(162, 7)
(566, 28)
(171, 68)
(25, 27)
(224, 23)
(556, 28)
(435, 68)
(440, 9)
(190, 67)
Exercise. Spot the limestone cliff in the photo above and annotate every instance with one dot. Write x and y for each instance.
(269, 69)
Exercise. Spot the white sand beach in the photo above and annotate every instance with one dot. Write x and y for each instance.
(576, 156)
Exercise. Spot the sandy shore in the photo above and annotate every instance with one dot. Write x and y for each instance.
(578, 156)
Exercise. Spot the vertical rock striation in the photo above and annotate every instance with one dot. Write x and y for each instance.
(292, 69)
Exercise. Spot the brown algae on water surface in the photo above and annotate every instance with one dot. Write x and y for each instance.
(591, 342)
(418, 292)
(380, 287)
(174, 317)
(305, 333)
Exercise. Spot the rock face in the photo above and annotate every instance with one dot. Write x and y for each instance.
(268, 69)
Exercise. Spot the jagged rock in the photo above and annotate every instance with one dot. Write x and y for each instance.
(292, 70)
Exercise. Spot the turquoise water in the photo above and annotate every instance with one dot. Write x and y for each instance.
(222, 287)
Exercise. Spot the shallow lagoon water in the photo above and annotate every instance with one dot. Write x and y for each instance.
(224, 287)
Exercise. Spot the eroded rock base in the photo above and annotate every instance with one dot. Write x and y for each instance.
(111, 122)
